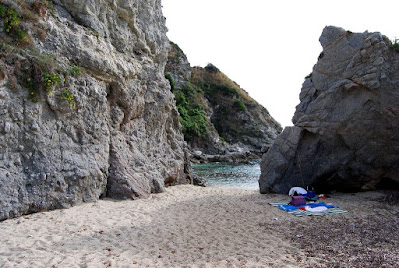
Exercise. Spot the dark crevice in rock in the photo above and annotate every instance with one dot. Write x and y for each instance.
(387, 184)
(360, 85)
(64, 12)
(109, 91)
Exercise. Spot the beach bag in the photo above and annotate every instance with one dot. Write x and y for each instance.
(297, 200)
(311, 194)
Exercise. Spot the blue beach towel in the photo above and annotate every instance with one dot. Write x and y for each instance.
(312, 205)
(294, 210)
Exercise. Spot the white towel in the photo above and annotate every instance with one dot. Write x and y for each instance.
(316, 209)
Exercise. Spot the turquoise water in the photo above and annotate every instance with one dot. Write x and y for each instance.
(230, 175)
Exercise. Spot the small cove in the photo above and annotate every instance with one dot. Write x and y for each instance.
(230, 175)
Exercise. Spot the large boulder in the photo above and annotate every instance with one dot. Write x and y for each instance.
(346, 127)
(108, 128)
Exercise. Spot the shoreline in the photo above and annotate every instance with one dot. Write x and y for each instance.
(237, 157)
(189, 226)
(227, 175)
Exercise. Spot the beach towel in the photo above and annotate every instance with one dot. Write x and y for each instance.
(316, 209)
(294, 210)
(287, 207)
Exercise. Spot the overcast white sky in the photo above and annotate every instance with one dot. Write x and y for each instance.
(268, 47)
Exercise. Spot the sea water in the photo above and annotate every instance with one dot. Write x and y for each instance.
(230, 175)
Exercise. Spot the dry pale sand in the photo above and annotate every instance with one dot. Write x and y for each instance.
(191, 226)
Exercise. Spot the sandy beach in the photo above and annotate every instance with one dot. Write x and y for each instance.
(190, 226)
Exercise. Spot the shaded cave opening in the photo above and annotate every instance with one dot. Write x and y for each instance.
(387, 184)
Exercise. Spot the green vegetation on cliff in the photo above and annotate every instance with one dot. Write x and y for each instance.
(39, 73)
(227, 101)
(216, 114)
(11, 22)
(208, 87)
(192, 114)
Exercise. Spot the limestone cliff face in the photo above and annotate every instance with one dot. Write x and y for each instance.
(346, 132)
(219, 118)
(85, 110)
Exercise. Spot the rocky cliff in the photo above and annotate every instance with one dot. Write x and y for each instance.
(346, 133)
(221, 122)
(85, 110)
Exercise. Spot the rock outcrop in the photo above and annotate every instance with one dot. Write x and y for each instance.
(346, 133)
(178, 67)
(221, 122)
(85, 110)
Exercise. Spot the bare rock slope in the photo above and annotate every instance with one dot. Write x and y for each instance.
(346, 133)
(85, 110)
